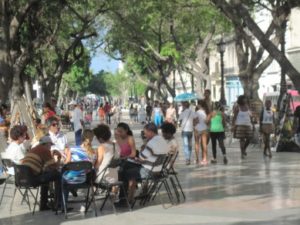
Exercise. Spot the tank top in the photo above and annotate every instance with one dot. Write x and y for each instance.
(267, 116)
(157, 111)
(216, 124)
(125, 149)
(243, 118)
(111, 173)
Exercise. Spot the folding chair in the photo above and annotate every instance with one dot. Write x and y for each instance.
(87, 167)
(107, 187)
(173, 174)
(158, 180)
(7, 163)
(24, 180)
(154, 181)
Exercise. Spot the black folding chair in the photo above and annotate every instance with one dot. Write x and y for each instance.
(6, 163)
(153, 182)
(107, 187)
(24, 180)
(160, 179)
(173, 174)
(87, 167)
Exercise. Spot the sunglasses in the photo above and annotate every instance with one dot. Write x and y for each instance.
(54, 124)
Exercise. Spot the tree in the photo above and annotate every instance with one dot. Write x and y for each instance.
(237, 10)
(78, 78)
(18, 38)
(97, 84)
(160, 37)
(75, 26)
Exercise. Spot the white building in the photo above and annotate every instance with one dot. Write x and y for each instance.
(270, 79)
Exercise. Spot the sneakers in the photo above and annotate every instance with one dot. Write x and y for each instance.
(213, 161)
(187, 162)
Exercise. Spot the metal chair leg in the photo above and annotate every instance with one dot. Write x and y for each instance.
(168, 189)
(35, 199)
(175, 189)
(12, 201)
(104, 201)
(64, 201)
(179, 185)
(4, 188)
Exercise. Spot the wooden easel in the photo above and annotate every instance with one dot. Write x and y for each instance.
(23, 114)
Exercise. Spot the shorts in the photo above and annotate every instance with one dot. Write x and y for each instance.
(198, 133)
(267, 128)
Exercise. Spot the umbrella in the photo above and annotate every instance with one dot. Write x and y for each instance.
(186, 97)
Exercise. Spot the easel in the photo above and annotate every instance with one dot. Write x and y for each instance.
(23, 114)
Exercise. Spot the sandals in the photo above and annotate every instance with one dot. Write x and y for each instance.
(203, 163)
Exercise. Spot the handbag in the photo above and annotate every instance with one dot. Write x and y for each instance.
(115, 160)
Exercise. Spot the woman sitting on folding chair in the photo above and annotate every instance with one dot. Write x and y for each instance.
(84, 152)
(106, 151)
(16, 150)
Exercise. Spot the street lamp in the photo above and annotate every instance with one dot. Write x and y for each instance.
(221, 50)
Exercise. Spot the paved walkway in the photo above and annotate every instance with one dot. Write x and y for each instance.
(256, 190)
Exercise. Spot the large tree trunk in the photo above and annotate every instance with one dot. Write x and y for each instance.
(236, 10)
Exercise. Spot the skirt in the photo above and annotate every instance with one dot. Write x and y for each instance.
(267, 128)
(243, 131)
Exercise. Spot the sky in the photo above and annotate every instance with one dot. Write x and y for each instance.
(101, 61)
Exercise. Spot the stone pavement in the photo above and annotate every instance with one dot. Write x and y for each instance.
(256, 190)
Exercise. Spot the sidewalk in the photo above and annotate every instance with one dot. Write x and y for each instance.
(253, 191)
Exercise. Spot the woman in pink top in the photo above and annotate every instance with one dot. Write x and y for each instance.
(125, 141)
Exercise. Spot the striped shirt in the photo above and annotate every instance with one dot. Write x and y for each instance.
(39, 159)
(155, 146)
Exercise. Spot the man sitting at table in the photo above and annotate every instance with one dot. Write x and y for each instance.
(60, 146)
(156, 145)
(45, 170)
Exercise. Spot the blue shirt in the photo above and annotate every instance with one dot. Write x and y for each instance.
(76, 177)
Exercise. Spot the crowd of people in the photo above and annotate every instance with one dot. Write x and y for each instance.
(204, 121)
(46, 154)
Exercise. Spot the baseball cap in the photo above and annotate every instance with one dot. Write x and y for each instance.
(46, 140)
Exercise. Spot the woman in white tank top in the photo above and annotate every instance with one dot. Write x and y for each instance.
(105, 152)
(242, 125)
(266, 126)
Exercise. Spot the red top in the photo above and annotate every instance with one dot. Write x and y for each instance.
(49, 114)
(107, 108)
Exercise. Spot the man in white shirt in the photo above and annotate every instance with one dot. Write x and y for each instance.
(60, 144)
(78, 124)
(156, 145)
(186, 118)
